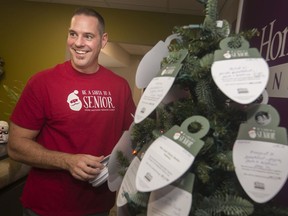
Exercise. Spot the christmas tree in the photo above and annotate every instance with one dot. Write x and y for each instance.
(216, 189)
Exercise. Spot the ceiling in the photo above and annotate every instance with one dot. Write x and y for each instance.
(191, 7)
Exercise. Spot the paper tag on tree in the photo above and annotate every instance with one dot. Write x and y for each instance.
(171, 155)
(128, 184)
(158, 88)
(151, 62)
(260, 154)
(240, 73)
(123, 149)
(174, 199)
(127, 191)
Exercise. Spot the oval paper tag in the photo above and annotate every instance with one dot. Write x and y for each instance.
(261, 168)
(159, 87)
(239, 71)
(163, 163)
(128, 183)
(174, 199)
(151, 62)
(260, 154)
(152, 96)
(242, 80)
(123, 146)
(170, 155)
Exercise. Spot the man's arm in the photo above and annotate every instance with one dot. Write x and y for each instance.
(22, 147)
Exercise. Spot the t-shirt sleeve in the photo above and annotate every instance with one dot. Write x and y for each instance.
(29, 110)
(129, 109)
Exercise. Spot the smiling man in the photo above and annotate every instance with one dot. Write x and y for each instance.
(64, 136)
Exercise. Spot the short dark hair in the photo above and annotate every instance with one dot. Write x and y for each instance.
(91, 12)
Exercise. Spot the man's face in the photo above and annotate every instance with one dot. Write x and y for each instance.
(85, 43)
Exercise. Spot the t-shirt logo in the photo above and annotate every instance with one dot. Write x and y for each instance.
(74, 101)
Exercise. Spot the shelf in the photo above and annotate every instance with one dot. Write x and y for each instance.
(11, 171)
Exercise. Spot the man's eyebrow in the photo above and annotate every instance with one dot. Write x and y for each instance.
(88, 33)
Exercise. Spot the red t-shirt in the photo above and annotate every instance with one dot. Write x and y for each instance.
(75, 113)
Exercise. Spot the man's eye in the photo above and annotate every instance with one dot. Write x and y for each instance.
(72, 34)
(89, 37)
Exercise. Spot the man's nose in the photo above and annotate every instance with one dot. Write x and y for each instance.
(79, 41)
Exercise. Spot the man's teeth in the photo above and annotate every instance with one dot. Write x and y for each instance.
(80, 52)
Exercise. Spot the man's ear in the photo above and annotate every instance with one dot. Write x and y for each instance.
(104, 39)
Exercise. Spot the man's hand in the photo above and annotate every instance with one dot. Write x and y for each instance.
(84, 167)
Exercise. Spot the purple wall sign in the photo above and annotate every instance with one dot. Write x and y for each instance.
(271, 20)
